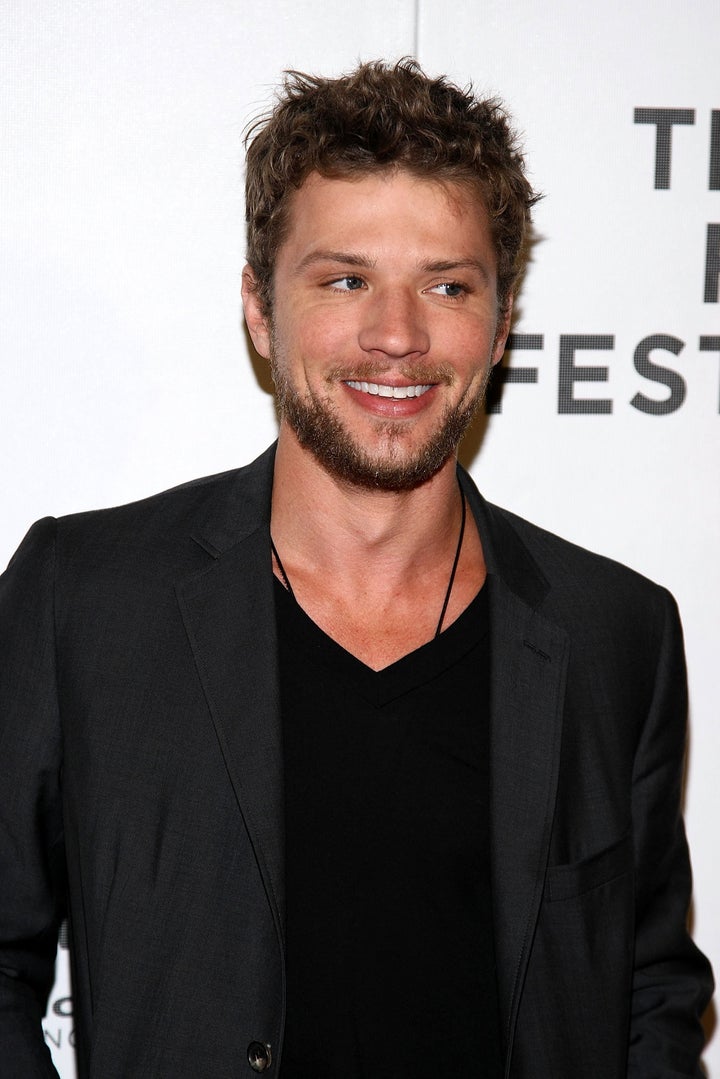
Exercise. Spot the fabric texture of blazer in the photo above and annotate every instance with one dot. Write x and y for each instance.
(142, 792)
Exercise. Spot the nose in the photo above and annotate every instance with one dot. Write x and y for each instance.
(394, 324)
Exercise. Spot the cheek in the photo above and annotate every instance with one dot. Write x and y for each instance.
(325, 339)
(472, 350)
(468, 333)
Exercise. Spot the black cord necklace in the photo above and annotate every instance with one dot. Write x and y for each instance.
(453, 571)
(283, 574)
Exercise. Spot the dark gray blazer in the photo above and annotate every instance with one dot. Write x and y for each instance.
(141, 785)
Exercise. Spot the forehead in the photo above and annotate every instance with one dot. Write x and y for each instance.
(379, 210)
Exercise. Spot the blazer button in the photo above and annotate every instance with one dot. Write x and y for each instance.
(259, 1056)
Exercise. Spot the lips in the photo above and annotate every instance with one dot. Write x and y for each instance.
(399, 393)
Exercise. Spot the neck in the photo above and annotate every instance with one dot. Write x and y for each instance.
(324, 521)
(372, 568)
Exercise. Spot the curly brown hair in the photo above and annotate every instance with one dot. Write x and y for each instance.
(377, 117)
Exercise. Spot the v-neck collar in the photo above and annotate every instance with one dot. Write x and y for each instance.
(411, 671)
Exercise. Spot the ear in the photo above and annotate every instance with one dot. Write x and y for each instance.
(257, 322)
(503, 329)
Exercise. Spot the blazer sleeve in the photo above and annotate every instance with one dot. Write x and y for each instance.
(672, 981)
(31, 834)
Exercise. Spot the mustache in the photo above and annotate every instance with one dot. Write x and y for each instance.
(416, 374)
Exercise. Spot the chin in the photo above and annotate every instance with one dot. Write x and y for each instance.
(394, 468)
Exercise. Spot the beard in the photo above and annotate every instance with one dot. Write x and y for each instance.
(317, 428)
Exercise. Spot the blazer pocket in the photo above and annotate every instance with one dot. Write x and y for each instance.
(567, 881)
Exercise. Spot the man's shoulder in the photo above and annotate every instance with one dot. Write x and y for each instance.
(221, 504)
(548, 545)
(162, 533)
(575, 580)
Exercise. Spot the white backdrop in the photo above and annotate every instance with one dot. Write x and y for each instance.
(123, 363)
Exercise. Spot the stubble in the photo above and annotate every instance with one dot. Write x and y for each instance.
(318, 428)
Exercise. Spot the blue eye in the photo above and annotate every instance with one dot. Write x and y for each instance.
(451, 289)
(349, 283)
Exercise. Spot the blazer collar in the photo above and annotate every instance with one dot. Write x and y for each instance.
(241, 505)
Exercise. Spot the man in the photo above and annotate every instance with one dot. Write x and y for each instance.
(340, 771)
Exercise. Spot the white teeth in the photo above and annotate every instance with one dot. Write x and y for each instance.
(398, 392)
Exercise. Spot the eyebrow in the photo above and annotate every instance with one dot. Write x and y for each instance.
(344, 258)
(352, 258)
(449, 265)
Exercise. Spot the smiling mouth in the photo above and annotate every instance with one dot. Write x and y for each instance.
(398, 392)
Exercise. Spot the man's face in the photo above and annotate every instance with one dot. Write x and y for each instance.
(384, 326)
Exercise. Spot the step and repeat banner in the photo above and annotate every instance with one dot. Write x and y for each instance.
(124, 368)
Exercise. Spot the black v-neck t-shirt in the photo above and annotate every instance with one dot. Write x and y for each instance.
(390, 959)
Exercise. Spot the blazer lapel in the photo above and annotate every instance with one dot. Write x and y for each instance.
(527, 686)
(228, 611)
(528, 664)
